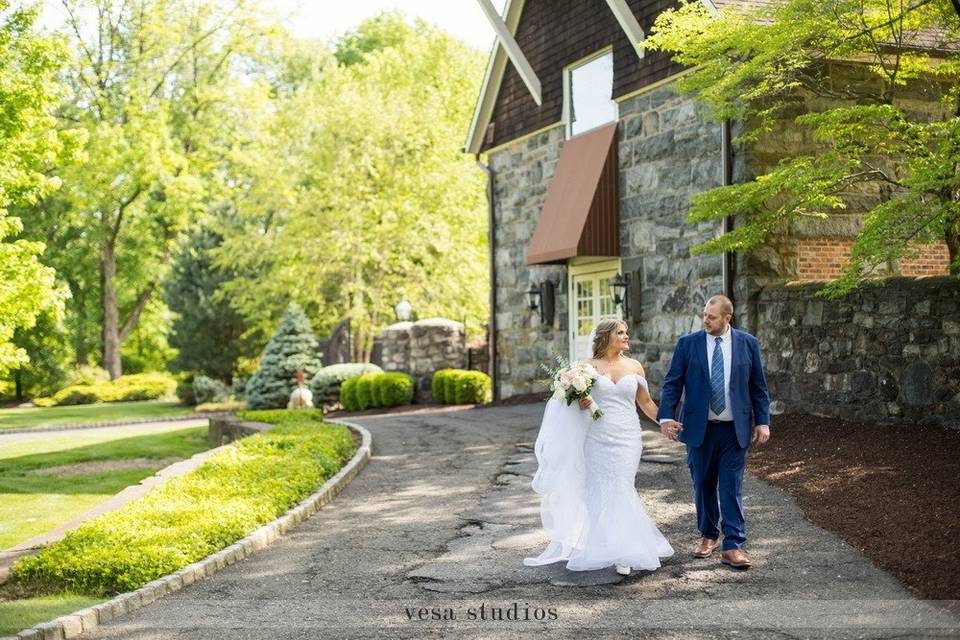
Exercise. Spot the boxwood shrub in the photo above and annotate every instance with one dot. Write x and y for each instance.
(438, 385)
(348, 394)
(188, 518)
(366, 392)
(394, 389)
(461, 386)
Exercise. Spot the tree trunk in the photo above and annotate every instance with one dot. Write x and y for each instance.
(18, 381)
(110, 313)
(952, 238)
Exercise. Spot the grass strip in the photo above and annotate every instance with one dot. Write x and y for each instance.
(38, 492)
(90, 413)
(195, 515)
(23, 614)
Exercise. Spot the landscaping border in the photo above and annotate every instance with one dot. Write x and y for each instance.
(113, 423)
(72, 625)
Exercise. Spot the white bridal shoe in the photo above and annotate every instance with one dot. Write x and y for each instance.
(622, 570)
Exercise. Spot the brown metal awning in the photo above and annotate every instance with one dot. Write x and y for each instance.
(580, 216)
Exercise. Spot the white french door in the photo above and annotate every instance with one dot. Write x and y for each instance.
(591, 301)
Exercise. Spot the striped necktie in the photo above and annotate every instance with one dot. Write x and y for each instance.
(717, 402)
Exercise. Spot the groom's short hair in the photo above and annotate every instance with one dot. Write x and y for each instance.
(726, 306)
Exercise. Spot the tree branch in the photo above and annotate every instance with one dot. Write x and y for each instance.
(115, 231)
(134, 316)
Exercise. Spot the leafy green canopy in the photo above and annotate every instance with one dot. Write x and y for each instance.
(357, 193)
(29, 145)
(863, 65)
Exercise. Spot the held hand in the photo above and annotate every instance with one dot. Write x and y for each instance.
(671, 429)
(585, 402)
(760, 435)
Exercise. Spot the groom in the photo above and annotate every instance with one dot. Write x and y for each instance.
(718, 375)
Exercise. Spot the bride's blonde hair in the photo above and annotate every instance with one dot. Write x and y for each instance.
(603, 334)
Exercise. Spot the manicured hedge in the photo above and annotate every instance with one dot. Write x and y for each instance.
(438, 385)
(139, 386)
(190, 517)
(372, 390)
(393, 389)
(348, 394)
(461, 386)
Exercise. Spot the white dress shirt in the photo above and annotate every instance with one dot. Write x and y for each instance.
(726, 348)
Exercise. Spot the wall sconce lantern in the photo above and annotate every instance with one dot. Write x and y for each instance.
(618, 288)
(403, 310)
(540, 298)
(533, 296)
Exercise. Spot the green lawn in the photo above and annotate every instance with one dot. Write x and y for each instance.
(33, 502)
(88, 413)
(23, 614)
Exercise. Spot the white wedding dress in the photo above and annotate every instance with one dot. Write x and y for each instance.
(590, 508)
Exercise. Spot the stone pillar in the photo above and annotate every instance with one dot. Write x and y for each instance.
(421, 348)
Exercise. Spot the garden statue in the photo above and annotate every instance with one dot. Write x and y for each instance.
(302, 397)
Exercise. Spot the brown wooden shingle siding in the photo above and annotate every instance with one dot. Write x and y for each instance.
(555, 33)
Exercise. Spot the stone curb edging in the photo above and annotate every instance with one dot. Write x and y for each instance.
(72, 625)
(114, 423)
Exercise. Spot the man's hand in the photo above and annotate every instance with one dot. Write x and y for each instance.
(585, 402)
(671, 429)
(760, 434)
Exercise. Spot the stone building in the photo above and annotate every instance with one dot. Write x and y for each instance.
(592, 158)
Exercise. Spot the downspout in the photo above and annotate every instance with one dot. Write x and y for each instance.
(726, 153)
(492, 247)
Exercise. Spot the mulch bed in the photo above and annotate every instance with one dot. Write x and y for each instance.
(893, 492)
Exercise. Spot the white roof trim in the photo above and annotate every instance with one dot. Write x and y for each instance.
(496, 65)
(628, 22)
(505, 36)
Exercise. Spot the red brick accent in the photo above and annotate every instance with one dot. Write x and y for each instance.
(825, 259)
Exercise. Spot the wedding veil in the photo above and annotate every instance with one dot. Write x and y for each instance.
(561, 477)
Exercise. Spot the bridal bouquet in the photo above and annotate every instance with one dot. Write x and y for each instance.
(574, 381)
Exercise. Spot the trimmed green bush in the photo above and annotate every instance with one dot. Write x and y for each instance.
(393, 388)
(348, 394)
(326, 385)
(366, 395)
(438, 385)
(193, 516)
(472, 387)
(461, 386)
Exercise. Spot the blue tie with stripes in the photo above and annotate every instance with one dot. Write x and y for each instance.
(717, 402)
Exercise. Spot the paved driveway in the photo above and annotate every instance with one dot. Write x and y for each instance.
(428, 541)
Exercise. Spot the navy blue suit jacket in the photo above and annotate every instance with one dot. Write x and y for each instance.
(689, 380)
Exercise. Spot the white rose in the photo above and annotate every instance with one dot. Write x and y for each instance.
(580, 383)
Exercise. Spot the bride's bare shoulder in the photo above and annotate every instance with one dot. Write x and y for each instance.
(637, 367)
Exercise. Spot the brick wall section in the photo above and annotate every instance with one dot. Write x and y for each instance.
(825, 258)
(556, 33)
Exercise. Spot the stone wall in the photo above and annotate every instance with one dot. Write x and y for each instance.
(522, 172)
(886, 353)
(668, 150)
(420, 348)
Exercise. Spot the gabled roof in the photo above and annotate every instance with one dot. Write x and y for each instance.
(497, 64)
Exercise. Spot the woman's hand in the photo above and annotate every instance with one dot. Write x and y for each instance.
(585, 402)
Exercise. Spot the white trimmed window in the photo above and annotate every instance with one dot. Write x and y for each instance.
(590, 302)
(588, 93)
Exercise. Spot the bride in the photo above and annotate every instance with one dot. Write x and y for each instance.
(590, 508)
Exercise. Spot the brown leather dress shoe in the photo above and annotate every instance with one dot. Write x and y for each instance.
(705, 548)
(736, 558)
